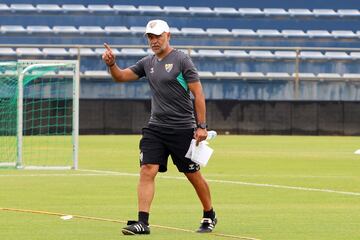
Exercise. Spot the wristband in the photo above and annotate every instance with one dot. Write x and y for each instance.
(202, 125)
(111, 65)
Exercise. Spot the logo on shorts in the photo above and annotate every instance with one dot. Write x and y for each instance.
(194, 166)
(168, 67)
(141, 156)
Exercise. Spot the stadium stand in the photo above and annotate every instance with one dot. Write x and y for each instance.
(63, 26)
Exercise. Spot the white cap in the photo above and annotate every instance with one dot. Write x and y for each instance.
(157, 27)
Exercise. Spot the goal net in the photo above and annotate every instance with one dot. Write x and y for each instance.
(39, 114)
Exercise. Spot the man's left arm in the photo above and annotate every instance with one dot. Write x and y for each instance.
(200, 109)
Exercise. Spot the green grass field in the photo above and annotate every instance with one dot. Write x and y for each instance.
(263, 187)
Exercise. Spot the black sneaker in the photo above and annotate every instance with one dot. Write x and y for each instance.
(207, 225)
(134, 227)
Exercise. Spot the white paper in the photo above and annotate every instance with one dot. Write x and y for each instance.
(66, 217)
(199, 154)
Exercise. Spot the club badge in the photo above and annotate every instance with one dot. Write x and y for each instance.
(168, 67)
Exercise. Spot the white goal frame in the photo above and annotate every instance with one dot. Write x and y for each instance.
(75, 111)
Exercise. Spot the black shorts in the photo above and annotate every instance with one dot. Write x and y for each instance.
(157, 143)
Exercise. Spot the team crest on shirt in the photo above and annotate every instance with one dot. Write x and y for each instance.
(168, 67)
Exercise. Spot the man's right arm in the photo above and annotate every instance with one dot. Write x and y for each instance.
(122, 75)
(118, 74)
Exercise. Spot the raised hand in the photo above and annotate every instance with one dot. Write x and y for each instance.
(108, 56)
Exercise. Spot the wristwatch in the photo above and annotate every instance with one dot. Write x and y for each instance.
(202, 125)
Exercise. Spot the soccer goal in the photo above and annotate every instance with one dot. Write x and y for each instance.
(39, 114)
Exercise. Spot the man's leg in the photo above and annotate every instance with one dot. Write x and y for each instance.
(146, 191)
(203, 191)
(146, 186)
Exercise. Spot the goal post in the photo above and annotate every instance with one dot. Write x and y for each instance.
(8, 110)
(46, 103)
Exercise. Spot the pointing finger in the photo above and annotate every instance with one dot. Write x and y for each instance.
(107, 47)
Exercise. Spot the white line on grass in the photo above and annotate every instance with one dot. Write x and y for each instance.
(240, 183)
(113, 173)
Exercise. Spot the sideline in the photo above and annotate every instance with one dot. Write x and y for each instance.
(90, 172)
(70, 216)
(236, 183)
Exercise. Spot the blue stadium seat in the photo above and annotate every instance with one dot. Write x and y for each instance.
(96, 74)
(12, 29)
(236, 53)
(300, 12)
(55, 52)
(205, 74)
(66, 73)
(324, 13)
(275, 12)
(337, 56)
(125, 9)
(64, 29)
(100, 8)
(209, 53)
(268, 33)
(226, 11)
(252, 75)
(318, 34)
(250, 12)
(74, 8)
(355, 55)
(133, 52)
(285, 54)
(348, 12)
(261, 54)
(100, 51)
(243, 32)
(351, 76)
(83, 52)
(193, 31)
(288, 33)
(150, 9)
(137, 30)
(227, 75)
(175, 10)
(305, 76)
(218, 32)
(329, 76)
(4, 8)
(201, 11)
(116, 30)
(311, 55)
(343, 34)
(38, 29)
(278, 75)
(29, 52)
(51, 8)
(190, 52)
(193, 52)
(175, 31)
(91, 30)
(7, 52)
(18, 7)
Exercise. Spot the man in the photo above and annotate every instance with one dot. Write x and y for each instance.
(172, 76)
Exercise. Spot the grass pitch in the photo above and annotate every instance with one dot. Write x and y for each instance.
(264, 187)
